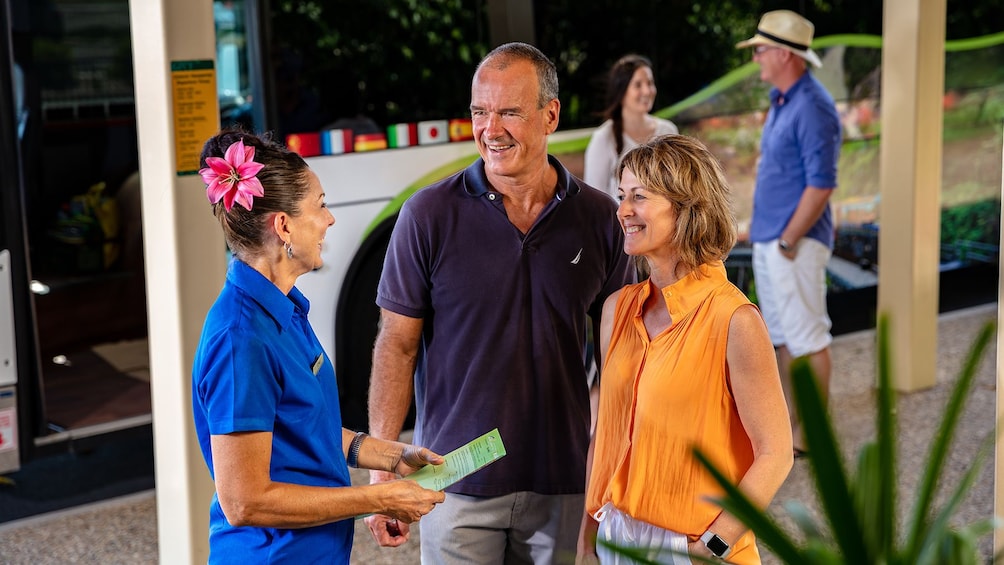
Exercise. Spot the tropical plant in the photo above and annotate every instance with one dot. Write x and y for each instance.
(860, 509)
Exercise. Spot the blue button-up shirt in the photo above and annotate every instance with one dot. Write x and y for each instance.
(800, 147)
(259, 367)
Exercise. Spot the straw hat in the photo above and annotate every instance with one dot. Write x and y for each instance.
(787, 30)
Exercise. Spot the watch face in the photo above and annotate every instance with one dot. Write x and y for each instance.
(717, 546)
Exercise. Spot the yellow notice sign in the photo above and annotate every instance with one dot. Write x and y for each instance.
(196, 111)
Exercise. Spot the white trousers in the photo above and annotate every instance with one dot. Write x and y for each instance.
(617, 528)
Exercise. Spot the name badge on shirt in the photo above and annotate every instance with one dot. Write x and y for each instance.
(316, 366)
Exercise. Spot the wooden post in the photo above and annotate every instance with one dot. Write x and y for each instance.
(913, 79)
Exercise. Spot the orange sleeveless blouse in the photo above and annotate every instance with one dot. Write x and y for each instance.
(660, 398)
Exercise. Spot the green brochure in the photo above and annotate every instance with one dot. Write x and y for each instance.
(461, 462)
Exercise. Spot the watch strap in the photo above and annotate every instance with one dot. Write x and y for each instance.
(353, 457)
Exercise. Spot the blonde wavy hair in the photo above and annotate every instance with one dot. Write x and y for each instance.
(683, 170)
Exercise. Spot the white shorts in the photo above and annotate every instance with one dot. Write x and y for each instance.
(617, 528)
(791, 295)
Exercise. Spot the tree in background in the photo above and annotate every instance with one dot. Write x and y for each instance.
(389, 60)
(408, 60)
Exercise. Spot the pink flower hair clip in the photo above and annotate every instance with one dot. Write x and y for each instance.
(234, 177)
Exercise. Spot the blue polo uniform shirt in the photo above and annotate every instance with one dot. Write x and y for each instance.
(800, 147)
(254, 370)
(504, 323)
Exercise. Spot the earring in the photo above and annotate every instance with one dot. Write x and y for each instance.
(289, 249)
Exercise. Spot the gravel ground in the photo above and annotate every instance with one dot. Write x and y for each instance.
(124, 530)
(852, 406)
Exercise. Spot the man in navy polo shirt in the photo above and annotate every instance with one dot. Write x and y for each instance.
(792, 226)
(487, 288)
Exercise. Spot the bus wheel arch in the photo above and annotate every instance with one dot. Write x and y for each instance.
(356, 322)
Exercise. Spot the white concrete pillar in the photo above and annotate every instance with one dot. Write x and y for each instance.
(184, 247)
(913, 80)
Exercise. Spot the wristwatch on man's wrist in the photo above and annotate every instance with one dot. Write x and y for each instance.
(784, 245)
(716, 545)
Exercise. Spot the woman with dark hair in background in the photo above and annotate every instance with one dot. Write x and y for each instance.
(264, 393)
(630, 97)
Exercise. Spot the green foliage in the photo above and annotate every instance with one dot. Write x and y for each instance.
(859, 508)
(966, 18)
(407, 60)
(390, 60)
(979, 221)
(689, 43)
(973, 68)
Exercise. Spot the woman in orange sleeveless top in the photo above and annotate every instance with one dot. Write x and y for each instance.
(688, 364)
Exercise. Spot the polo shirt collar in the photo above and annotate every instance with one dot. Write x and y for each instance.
(279, 306)
(476, 180)
(686, 294)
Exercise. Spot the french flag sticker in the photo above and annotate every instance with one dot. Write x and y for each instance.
(336, 141)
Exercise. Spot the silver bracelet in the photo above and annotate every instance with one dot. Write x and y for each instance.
(357, 442)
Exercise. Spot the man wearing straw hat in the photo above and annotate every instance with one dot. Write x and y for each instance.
(792, 225)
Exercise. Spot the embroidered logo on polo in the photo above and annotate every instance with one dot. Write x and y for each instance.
(578, 256)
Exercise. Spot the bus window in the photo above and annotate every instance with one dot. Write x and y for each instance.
(233, 77)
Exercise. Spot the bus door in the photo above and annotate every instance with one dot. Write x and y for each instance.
(76, 303)
(16, 353)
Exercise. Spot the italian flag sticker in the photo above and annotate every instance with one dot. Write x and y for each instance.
(402, 135)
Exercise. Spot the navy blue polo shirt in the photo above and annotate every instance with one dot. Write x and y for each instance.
(505, 317)
(254, 371)
(800, 147)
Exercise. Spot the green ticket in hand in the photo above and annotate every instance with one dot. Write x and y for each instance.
(461, 462)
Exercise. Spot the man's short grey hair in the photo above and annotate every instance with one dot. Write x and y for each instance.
(547, 75)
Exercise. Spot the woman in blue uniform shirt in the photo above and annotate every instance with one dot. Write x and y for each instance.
(263, 391)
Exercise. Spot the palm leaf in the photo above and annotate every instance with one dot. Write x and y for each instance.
(763, 526)
(818, 553)
(831, 480)
(884, 520)
(640, 554)
(799, 513)
(868, 498)
(940, 527)
(635, 554)
(942, 442)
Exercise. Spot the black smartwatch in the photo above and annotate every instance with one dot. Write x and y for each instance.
(716, 545)
(784, 245)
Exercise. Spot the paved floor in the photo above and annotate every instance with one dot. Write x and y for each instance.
(124, 530)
